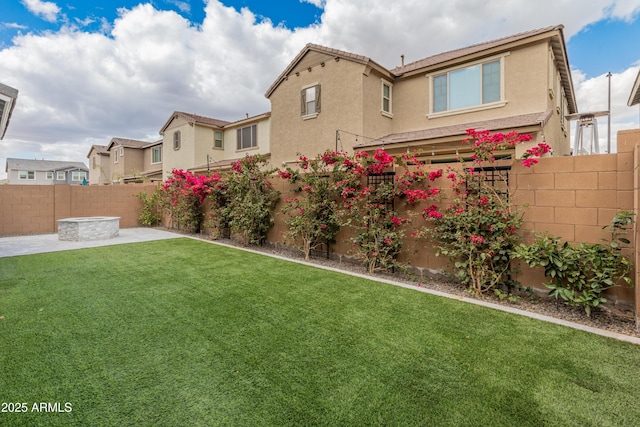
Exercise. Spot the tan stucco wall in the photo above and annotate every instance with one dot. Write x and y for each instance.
(341, 108)
(99, 169)
(182, 158)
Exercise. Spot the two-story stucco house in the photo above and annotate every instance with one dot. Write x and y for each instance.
(198, 143)
(132, 160)
(45, 172)
(99, 165)
(328, 99)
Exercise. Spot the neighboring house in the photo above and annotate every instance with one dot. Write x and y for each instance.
(328, 99)
(99, 165)
(8, 96)
(45, 172)
(199, 143)
(131, 160)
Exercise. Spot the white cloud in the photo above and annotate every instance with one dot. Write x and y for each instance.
(317, 3)
(13, 25)
(79, 88)
(46, 10)
(182, 6)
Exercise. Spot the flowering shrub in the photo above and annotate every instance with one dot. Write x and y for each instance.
(249, 199)
(312, 215)
(367, 208)
(182, 195)
(477, 231)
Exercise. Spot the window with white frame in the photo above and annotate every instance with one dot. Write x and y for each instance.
(49, 176)
(156, 154)
(386, 97)
(78, 175)
(60, 176)
(176, 140)
(116, 156)
(310, 100)
(467, 87)
(30, 175)
(247, 137)
(217, 140)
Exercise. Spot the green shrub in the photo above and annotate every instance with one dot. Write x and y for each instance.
(581, 273)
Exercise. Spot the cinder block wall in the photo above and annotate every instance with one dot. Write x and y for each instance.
(34, 209)
(568, 197)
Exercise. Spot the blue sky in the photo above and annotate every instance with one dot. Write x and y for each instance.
(77, 63)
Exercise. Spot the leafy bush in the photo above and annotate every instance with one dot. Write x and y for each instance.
(151, 213)
(251, 199)
(580, 274)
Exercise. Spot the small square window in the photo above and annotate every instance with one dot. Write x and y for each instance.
(247, 137)
(60, 176)
(49, 176)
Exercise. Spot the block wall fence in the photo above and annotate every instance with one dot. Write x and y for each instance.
(34, 209)
(569, 197)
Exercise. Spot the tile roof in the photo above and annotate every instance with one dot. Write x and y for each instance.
(322, 49)
(459, 53)
(511, 122)
(555, 33)
(131, 143)
(42, 165)
(99, 149)
(221, 164)
(194, 118)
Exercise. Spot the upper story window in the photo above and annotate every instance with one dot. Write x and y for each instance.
(247, 137)
(470, 87)
(156, 154)
(310, 101)
(78, 175)
(387, 96)
(26, 175)
(60, 176)
(176, 140)
(116, 155)
(217, 139)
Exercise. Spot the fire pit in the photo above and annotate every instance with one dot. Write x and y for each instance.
(88, 228)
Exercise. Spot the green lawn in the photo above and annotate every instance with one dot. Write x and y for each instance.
(185, 333)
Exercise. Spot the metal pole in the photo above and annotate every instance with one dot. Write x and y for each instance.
(609, 116)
